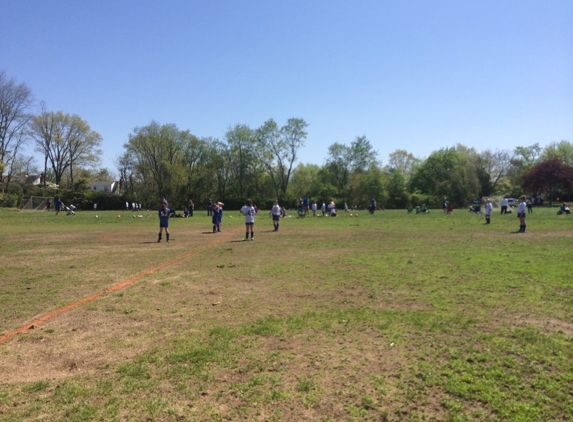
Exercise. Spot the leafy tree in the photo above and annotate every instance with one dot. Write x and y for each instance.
(523, 159)
(200, 168)
(66, 141)
(562, 150)
(244, 165)
(126, 167)
(397, 190)
(306, 181)
(548, 177)
(403, 161)
(445, 173)
(491, 169)
(279, 150)
(159, 156)
(15, 102)
(343, 161)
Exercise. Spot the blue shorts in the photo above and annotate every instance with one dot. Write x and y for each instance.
(276, 217)
(520, 215)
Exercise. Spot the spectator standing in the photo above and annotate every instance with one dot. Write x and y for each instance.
(191, 207)
(529, 204)
(504, 203)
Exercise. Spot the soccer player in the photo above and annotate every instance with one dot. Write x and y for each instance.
(521, 214)
(276, 212)
(249, 212)
(163, 221)
(59, 206)
(216, 216)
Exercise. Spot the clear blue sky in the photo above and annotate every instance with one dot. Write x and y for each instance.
(418, 75)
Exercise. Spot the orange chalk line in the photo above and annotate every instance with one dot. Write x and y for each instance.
(113, 288)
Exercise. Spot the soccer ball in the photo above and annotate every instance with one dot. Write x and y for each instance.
(97, 216)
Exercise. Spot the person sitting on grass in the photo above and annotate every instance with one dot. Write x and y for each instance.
(332, 209)
(564, 209)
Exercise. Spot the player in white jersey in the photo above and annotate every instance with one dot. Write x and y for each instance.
(249, 212)
(276, 213)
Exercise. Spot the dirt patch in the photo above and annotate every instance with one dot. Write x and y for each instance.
(552, 325)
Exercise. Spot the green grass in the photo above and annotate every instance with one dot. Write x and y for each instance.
(387, 317)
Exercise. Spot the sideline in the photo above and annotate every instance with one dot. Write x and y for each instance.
(116, 287)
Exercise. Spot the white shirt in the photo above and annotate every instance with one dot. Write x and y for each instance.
(504, 202)
(275, 210)
(521, 207)
(249, 213)
(488, 208)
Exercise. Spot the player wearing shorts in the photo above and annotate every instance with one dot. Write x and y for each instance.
(276, 213)
(163, 221)
(249, 212)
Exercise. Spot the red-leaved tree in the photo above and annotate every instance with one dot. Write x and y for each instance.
(548, 177)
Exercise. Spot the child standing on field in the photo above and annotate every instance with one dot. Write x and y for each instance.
(521, 214)
(488, 210)
(249, 212)
(276, 213)
(163, 221)
(216, 212)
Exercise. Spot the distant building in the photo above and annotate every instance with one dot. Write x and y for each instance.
(108, 186)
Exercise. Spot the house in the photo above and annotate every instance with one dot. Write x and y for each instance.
(25, 179)
(108, 186)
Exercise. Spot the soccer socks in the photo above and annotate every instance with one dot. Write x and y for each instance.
(159, 238)
(167, 236)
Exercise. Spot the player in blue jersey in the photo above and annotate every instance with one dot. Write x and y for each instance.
(163, 221)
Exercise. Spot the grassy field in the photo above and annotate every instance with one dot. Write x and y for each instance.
(390, 317)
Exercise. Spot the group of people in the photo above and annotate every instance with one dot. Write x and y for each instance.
(249, 211)
(60, 206)
(135, 206)
(521, 207)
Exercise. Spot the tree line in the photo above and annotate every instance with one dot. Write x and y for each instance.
(262, 163)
